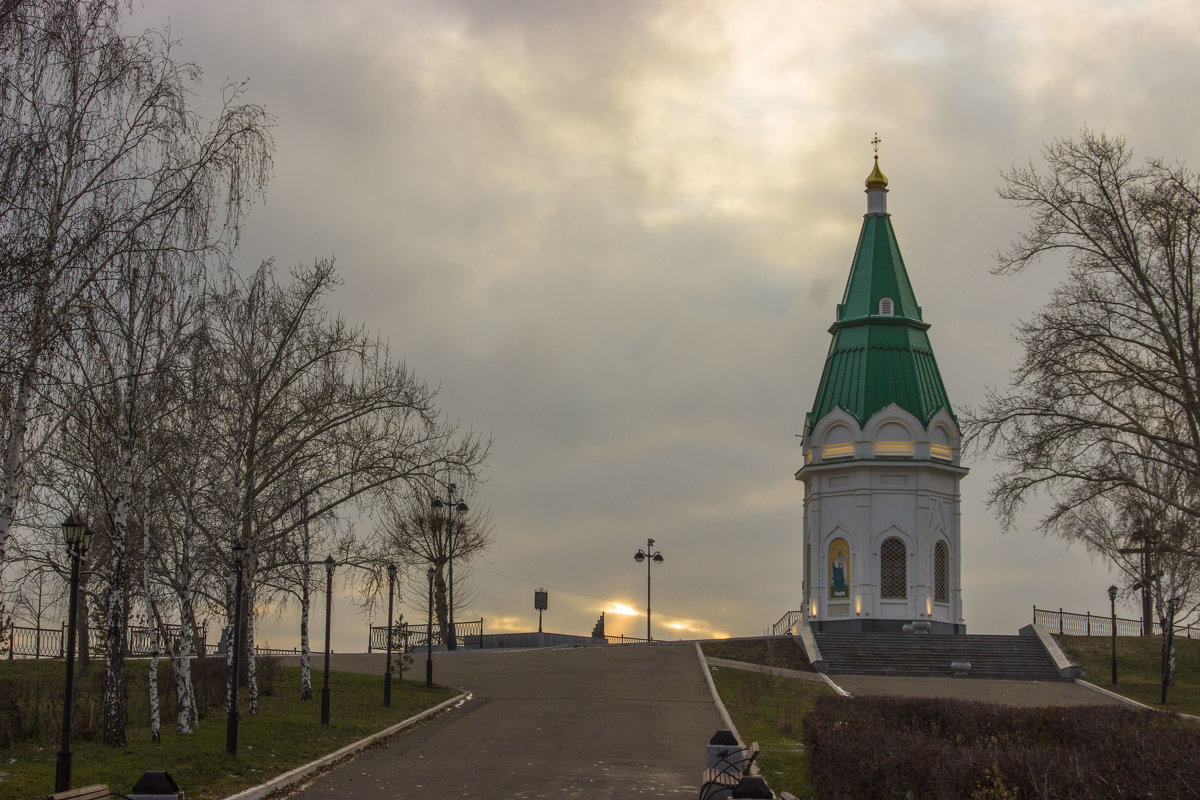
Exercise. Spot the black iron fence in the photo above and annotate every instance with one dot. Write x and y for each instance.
(411, 636)
(140, 640)
(1070, 623)
(624, 639)
(35, 642)
(29, 642)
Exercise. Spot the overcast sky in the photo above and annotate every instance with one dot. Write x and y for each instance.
(614, 234)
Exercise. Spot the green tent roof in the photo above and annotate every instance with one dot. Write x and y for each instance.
(877, 360)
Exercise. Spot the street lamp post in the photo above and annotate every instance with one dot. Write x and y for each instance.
(650, 555)
(451, 507)
(429, 634)
(387, 675)
(76, 535)
(328, 613)
(1112, 601)
(231, 720)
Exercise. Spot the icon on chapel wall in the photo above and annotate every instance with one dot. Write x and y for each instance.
(839, 570)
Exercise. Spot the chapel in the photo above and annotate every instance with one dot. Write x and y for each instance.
(881, 467)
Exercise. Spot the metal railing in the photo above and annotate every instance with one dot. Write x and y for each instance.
(411, 636)
(139, 641)
(785, 624)
(35, 642)
(1070, 623)
(617, 639)
(277, 651)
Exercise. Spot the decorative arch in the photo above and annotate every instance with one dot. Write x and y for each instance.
(893, 569)
(894, 414)
(941, 572)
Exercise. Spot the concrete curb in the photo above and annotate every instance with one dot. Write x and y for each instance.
(804, 636)
(1114, 695)
(712, 688)
(781, 672)
(300, 773)
(1065, 666)
(1132, 702)
(842, 692)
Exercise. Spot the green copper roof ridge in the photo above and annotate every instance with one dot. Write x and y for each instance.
(876, 271)
(875, 361)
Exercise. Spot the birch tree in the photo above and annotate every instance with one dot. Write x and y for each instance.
(307, 394)
(97, 144)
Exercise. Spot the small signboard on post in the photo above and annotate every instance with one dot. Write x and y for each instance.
(541, 601)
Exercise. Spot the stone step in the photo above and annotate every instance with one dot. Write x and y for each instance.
(907, 654)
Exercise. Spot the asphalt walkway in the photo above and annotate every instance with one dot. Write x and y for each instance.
(585, 722)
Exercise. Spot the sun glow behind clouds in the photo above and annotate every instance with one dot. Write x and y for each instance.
(623, 609)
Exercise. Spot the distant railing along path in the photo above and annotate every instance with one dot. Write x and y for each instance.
(618, 639)
(1070, 623)
(412, 636)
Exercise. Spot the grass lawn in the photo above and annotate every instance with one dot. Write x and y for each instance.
(778, 651)
(770, 710)
(285, 734)
(1139, 673)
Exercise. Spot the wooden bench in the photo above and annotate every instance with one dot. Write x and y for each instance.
(727, 772)
(97, 792)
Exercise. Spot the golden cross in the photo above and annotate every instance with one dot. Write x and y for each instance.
(876, 142)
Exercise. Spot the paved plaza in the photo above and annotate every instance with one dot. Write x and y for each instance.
(613, 722)
(584, 722)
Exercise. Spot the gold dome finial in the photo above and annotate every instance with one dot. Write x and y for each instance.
(876, 180)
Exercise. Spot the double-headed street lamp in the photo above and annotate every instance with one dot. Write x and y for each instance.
(387, 675)
(429, 634)
(231, 720)
(329, 562)
(76, 535)
(451, 507)
(649, 555)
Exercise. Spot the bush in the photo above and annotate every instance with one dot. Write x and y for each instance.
(949, 750)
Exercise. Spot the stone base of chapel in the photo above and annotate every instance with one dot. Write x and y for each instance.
(876, 625)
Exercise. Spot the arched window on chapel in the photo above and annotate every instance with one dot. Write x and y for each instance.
(893, 569)
(941, 573)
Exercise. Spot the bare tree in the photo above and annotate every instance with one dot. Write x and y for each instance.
(99, 155)
(1107, 393)
(316, 412)
(417, 536)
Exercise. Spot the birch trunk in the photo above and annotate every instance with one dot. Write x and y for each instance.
(185, 695)
(305, 601)
(152, 617)
(114, 655)
(14, 465)
(152, 680)
(251, 664)
(230, 630)
(306, 689)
